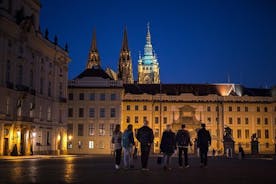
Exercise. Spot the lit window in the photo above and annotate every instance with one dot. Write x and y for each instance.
(209, 119)
(111, 129)
(247, 133)
(91, 144)
(259, 135)
(91, 129)
(156, 133)
(101, 129)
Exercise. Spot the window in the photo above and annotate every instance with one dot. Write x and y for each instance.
(156, 108)
(69, 129)
(156, 120)
(111, 129)
(246, 121)
(144, 107)
(49, 88)
(92, 96)
(20, 75)
(92, 112)
(81, 96)
(265, 109)
(208, 108)
(136, 120)
(238, 108)
(31, 78)
(246, 109)
(230, 120)
(144, 118)
(247, 133)
(156, 132)
(71, 96)
(239, 133)
(80, 129)
(239, 120)
(113, 97)
(102, 112)
(70, 112)
(258, 109)
(41, 85)
(266, 121)
(91, 129)
(266, 133)
(48, 138)
(128, 119)
(102, 97)
(165, 120)
(165, 108)
(259, 135)
(8, 71)
(79, 144)
(217, 108)
(209, 119)
(258, 121)
(49, 114)
(81, 114)
(136, 107)
(101, 129)
(112, 112)
(128, 107)
(91, 144)
(230, 108)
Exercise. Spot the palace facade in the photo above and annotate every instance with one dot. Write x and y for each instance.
(33, 83)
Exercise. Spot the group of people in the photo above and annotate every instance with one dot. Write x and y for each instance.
(170, 142)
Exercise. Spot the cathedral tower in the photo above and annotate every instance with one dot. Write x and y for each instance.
(148, 66)
(125, 63)
(93, 56)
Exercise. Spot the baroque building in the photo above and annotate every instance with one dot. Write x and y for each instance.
(94, 108)
(33, 83)
(148, 66)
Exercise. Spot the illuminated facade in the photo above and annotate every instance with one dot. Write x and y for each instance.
(148, 66)
(94, 108)
(244, 110)
(33, 83)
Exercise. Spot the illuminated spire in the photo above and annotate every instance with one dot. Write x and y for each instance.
(148, 38)
(93, 56)
(125, 41)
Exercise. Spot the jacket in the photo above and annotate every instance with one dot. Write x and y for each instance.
(168, 144)
(127, 139)
(116, 140)
(203, 139)
(183, 138)
(145, 135)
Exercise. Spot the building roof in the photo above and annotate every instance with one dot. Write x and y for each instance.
(95, 71)
(195, 89)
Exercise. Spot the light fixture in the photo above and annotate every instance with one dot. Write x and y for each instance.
(58, 137)
(70, 137)
(33, 134)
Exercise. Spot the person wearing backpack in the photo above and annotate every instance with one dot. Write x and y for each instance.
(116, 140)
(183, 141)
(127, 144)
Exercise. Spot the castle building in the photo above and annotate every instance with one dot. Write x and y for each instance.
(33, 83)
(94, 108)
(148, 66)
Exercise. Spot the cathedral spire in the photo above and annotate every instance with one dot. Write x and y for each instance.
(148, 38)
(125, 41)
(93, 56)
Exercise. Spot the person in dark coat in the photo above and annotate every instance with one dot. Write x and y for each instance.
(168, 146)
(183, 141)
(203, 143)
(145, 137)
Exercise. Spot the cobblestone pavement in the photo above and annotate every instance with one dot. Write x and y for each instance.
(100, 169)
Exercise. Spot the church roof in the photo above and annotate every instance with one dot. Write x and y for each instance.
(95, 71)
(195, 89)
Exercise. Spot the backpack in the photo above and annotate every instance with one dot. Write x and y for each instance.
(125, 139)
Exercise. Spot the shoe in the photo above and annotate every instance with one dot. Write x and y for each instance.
(187, 166)
(117, 167)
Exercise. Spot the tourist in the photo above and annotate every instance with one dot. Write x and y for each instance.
(203, 143)
(127, 144)
(116, 141)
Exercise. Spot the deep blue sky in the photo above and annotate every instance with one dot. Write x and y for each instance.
(196, 41)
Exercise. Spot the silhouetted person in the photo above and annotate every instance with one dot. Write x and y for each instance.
(116, 140)
(145, 137)
(203, 143)
(183, 141)
(127, 144)
(168, 146)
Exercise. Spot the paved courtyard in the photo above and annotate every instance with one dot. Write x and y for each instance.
(100, 169)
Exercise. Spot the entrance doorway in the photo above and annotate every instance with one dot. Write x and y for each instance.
(6, 146)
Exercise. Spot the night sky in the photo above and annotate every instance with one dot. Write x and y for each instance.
(195, 41)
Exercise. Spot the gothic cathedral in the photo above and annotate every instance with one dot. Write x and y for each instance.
(148, 66)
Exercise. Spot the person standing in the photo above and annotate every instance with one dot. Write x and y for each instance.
(168, 146)
(116, 141)
(145, 137)
(203, 143)
(183, 140)
(127, 144)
